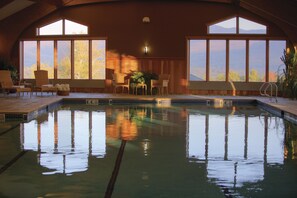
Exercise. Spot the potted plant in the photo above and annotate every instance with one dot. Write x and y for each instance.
(287, 80)
(138, 77)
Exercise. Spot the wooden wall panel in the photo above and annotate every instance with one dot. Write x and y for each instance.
(177, 69)
(126, 64)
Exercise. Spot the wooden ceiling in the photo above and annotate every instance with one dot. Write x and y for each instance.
(283, 10)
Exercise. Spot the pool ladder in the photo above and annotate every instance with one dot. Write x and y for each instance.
(265, 86)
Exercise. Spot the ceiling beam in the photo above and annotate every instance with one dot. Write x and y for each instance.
(81, 2)
(4, 2)
(218, 1)
(264, 13)
(14, 7)
(56, 3)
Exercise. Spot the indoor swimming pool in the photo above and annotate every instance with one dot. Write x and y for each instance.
(149, 150)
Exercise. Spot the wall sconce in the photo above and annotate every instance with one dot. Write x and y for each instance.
(146, 50)
(146, 20)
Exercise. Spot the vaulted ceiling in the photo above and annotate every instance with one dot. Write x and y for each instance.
(23, 13)
(281, 10)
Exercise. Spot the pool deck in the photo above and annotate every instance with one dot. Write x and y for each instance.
(12, 105)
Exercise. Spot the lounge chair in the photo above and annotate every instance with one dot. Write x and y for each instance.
(120, 80)
(42, 83)
(7, 85)
(161, 84)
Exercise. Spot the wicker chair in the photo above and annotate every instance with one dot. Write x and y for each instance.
(7, 85)
(42, 83)
(120, 80)
(161, 84)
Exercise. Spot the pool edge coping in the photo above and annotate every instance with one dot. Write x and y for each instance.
(27, 116)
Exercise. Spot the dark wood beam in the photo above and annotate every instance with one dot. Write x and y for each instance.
(215, 1)
(5, 2)
(81, 2)
(268, 14)
(56, 3)
(236, 2)
(62, 3)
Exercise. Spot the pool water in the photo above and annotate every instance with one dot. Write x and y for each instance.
(149, 151)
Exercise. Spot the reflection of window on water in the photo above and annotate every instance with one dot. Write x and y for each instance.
(236, 149)
(65, 140)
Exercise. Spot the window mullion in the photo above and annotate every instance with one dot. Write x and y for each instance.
(237, 25)
(72, 59)
(227, 60)
(38, 55)
(247, 65)
(55, 60)
(63, 27)
(267, 62)
(21, 60)
(90, 60)
(207, 60)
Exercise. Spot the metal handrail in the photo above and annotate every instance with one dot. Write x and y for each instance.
(232, 85)
(265, 86)
(260, 89)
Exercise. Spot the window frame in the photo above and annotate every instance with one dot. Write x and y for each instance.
(189, 60)
(224, 62)
(55, 40)
(39, 28)
(266, 63)
(237, 27)
(267, 39)
(63, 29)
(245, 59)
(270, 67)
(221, 21)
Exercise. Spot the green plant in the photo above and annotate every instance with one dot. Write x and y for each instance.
(290, 138)
(138, 77)
(287, 81)
(5, 65)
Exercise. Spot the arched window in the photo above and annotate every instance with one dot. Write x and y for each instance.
(55, 28)
(62, 27)
(75, 28)
(250, 27)
(224, 27)
(237, 25)
(237, 50)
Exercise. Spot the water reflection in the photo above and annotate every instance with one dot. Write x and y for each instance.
(236, 149)
(65, 138)
(122, 124)
(235, 146)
